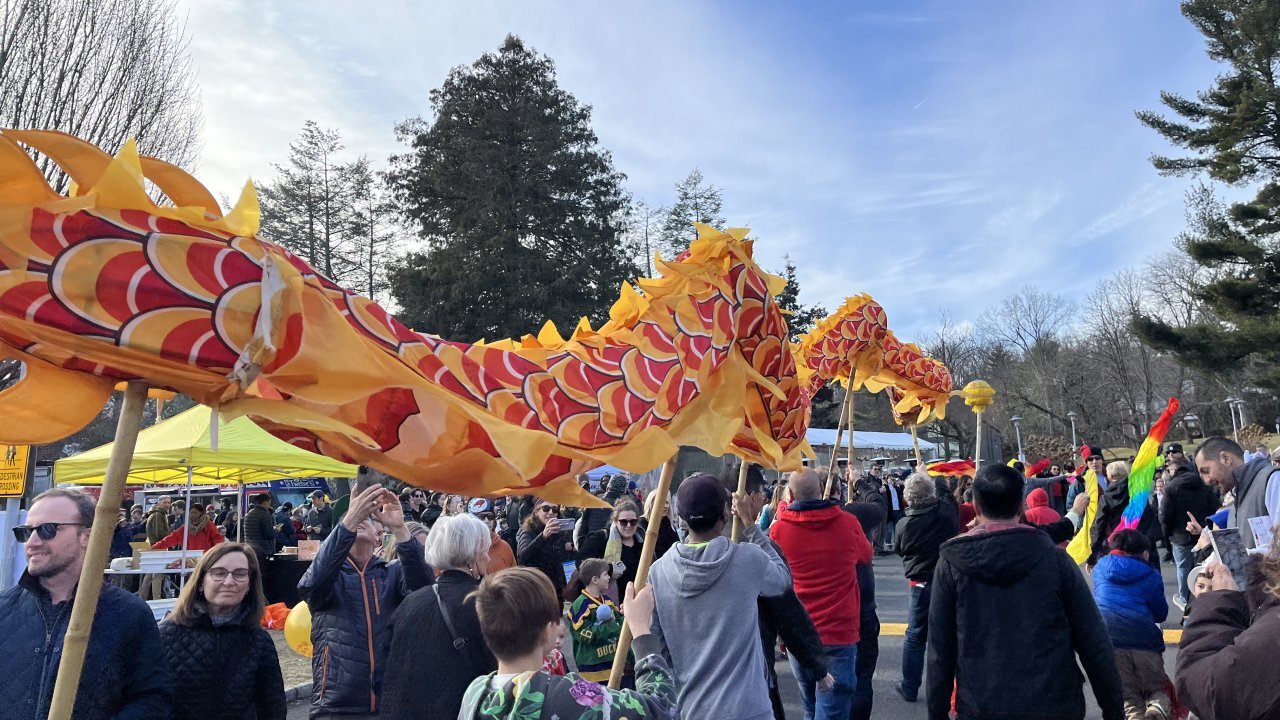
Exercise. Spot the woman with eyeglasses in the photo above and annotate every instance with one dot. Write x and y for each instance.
(543, 543)
(617, 544)
(224, 664)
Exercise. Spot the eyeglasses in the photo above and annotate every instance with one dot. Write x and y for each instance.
(628, 523)
(550, 509)
(221, 574)
(46, 531)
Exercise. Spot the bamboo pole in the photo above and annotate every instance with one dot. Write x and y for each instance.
(642, 572)
(915, 440)
(76, 640)
(850, 424)
(742, 490)
(846, 409)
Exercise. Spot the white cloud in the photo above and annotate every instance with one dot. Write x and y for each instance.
(810, 121)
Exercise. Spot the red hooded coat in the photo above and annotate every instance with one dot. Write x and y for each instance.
(1038, 510)
(824, 546)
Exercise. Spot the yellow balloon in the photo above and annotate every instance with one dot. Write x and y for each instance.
(297, 629)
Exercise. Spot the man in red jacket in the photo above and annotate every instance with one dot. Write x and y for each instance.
(824, 545)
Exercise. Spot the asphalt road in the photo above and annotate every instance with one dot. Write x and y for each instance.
(891, 603)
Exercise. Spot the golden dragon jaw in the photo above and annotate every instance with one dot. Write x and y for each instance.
(108, 286)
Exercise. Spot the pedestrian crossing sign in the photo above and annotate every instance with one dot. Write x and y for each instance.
(13, 469)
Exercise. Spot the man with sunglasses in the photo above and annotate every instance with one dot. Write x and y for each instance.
(125, 674)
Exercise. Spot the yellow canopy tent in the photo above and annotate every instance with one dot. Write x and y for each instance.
(189, 448)
(182, 447)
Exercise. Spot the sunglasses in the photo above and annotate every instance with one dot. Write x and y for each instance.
(46, 531)
(628, 523)
(550, 509)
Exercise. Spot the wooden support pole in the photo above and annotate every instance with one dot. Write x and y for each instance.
(846, 410)
(642, 571)
(742, 490)
(850, 425)
(915, 440)
(76, 640)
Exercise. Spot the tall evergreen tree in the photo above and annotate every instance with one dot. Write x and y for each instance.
(696, 201)
(520, 209)
(306, 208)
(800, 318)
(644, 233)
(1232, 134)
(371, 226)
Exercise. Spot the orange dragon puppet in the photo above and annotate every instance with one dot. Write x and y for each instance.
(107, 285)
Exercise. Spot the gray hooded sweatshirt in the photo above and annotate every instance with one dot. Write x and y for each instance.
(705, 614)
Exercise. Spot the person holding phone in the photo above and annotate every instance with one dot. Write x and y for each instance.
(543, 543)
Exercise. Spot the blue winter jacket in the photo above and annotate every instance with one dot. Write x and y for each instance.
(125, 673)
(351, 610)
(1130, 595)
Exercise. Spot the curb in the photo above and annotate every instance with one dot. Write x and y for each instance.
(297, 692)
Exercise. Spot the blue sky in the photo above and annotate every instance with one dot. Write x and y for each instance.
(933, 154)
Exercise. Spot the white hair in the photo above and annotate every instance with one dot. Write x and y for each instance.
(919, 489)
(456, 542)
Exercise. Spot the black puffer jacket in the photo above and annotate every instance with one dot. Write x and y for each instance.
(920, 534)
(1186, 493)
(125, 675)
(223, 672)
(351, 609)
(549, 556)
(1006, 592)
(260, 530)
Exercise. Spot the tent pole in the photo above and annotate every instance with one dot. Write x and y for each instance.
(89, 588)
(239, 510)
(642, 571)
(186, 536)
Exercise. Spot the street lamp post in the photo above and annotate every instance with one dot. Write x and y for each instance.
(1017, 431)
(977, 395)
(1231, 408)
(1190, 423)
(1076, 444)
(1240, 409)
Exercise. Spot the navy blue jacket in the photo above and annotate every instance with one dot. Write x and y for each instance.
(125, 674)
(287, 535)
(1130, 596)
(351, 610)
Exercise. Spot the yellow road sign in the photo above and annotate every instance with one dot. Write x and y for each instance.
(13, 469)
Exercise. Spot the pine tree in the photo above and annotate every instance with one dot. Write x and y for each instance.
(520, 209)
(1231, 131)
(372, 228)
(307, 208)
(800, 318)
(644, 231)
(696, 201)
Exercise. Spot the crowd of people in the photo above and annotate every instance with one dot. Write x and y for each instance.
(436, 606)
